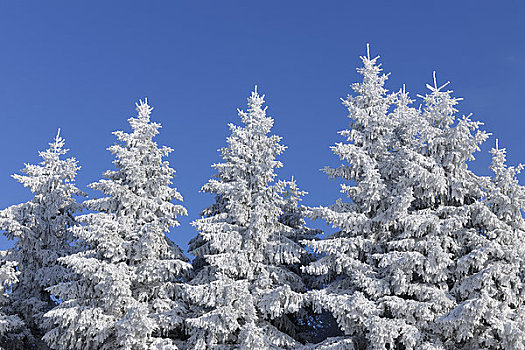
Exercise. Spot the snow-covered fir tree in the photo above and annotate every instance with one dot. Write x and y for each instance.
(354, 282)
(41, 229)
(247, 292)
(123, 297)
(489, 278)
(484, 221)
(391, 268)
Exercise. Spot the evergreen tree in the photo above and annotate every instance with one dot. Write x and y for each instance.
(347, 264)
(247, 290)
(489, 279)
(390, 267)
(41, 228)
(123, 298)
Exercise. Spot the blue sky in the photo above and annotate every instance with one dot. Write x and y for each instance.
(81, 66)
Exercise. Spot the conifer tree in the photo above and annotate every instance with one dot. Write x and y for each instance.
(41, 229)
(390, 267)
(489, 279)
(123, 298)
(246, 292)
(347, 265)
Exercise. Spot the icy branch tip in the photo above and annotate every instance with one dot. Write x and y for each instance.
(497, 148)
(143, 108)
(59, 142)
(368, 50)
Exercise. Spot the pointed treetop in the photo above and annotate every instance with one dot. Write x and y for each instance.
(436, 88)
(144, 109)
(499, 164)
(367, 57)
(499, 158)
(499, 151)
(56, 146)
(55, 149)
(402, 98)
(255, 101)
(255, 117)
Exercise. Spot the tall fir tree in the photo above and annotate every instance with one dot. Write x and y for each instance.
(41, 228)
(353, 282)
(123, 298)
(247, 292)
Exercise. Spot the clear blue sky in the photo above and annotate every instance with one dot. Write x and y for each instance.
(81, 65)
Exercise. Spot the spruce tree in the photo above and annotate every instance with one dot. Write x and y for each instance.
(489, 278)
(123, 297)
(247, 291)
(347, 264)
(390, 268)
(41, 228)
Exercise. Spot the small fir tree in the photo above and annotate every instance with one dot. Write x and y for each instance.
(123, 298)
